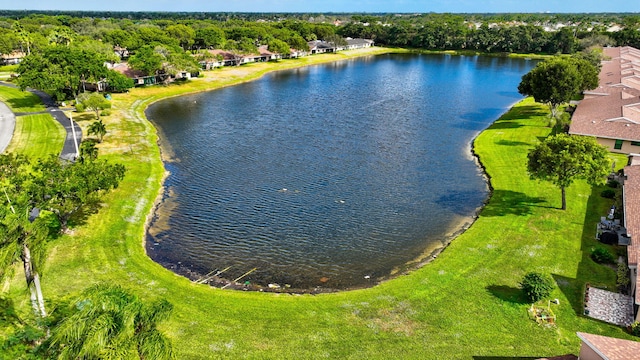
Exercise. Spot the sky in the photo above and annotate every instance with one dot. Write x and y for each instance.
(323, 6)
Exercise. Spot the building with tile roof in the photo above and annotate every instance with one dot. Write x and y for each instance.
(611, 112)
(597, 347)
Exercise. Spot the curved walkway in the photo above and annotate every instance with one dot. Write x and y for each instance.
(74, 133)
(7, 125)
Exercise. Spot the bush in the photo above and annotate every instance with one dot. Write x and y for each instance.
(536, 286)
(622, 276)
(608, 193)
(613, 183)
(602, 256)
(635, 328)
(105, 112)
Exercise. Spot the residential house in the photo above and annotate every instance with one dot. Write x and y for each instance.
(121, 52)
(611, 112)
(597, 347)
(631, 198)
(353, 44)
(11, 59)
(321, 47)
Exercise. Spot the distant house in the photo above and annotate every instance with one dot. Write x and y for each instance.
(597, 347)
(122, 52)
(139, 79)
(611, 112)
(321, 47)
(12, 59)
(353, 44)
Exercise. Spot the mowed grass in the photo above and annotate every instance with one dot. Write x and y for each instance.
(37, 136)
(20, 101)
(463, 305)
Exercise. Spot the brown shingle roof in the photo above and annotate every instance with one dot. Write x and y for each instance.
(612, 348)
(632, 217)
(613, 116)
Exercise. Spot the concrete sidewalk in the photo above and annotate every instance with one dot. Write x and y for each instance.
(7, 125)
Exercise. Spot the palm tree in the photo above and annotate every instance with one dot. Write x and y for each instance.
(97, 128)
(108, 322)
(88, 150)
(24, 234)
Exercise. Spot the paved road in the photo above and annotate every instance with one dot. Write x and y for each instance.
(7, 124)
(69, 150)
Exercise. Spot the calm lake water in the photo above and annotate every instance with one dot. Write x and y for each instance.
(332, 176)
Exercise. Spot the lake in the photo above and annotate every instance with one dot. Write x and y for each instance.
(327, 177)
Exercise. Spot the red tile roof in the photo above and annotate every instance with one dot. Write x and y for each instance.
(611, 348)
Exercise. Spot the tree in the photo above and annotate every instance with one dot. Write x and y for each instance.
(556, 81)
(279, 47)
(33, 194)
(562, 158)
(61, 71)
(184, 34)
(109, 322)
(93, 102)
(536, 286)
(88, 150)
(210, 37)
(97, 128)
(146, 60)
(117, 82)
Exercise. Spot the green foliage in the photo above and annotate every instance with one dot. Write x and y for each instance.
(602, 255)
(556, 81)
(536, 286)
(108, 321)
(608, 193)
(622, 276)
(117, 82)
(563, 158)
(635, 329)
(279, 47)
(93, 102)
(60, 71)
(88, 150)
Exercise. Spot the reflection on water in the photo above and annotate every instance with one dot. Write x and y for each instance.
(328, 176)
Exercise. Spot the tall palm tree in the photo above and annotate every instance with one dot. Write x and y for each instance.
(97, 128)
(23, 234)
(108, 322)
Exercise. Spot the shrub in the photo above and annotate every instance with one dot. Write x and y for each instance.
(602, 256)
(613, 183)
(622, 279)
(608, 193)
(635, 328)
(105, 112)
(536, 286)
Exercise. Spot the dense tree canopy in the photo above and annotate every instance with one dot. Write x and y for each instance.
(558, 80)
(38, 200)
(563, 158)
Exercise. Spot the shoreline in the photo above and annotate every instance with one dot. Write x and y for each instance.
(429, 253)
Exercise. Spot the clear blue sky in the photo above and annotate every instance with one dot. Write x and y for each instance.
(393, 6)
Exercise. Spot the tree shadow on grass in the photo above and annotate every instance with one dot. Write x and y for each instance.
(587, 272)
(507, 293)
(81, 216)
(507, 202)
(512, 143)
(24, 102)
(524, 113)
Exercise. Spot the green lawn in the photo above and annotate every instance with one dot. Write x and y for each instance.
(37, 135)
(20, 101)
(463, 305)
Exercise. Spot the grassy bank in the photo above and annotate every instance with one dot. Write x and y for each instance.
(20, 101)
(464, 304)
(37, 135)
